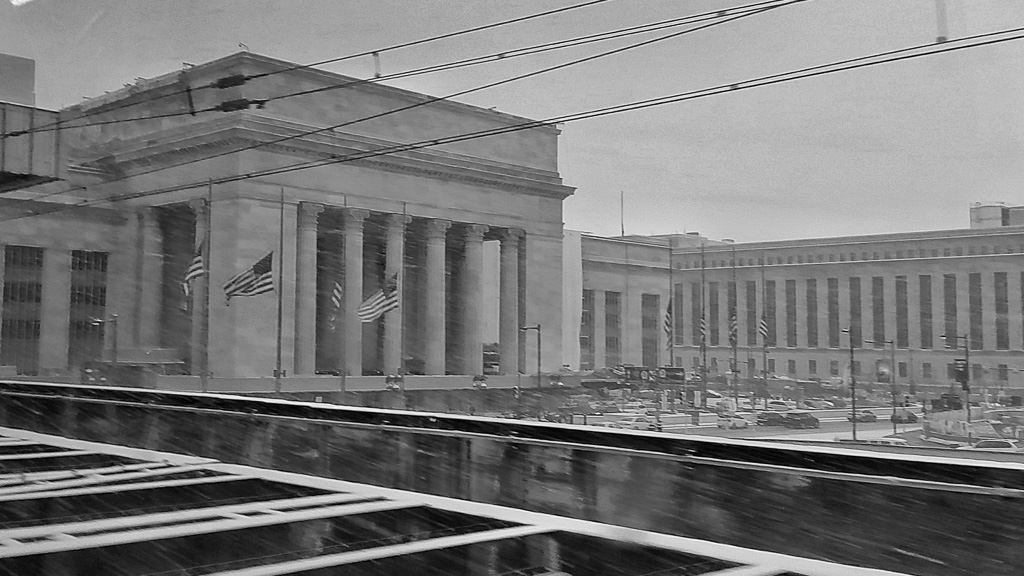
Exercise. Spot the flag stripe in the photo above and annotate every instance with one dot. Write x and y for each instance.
(379, 302)
(258, 279)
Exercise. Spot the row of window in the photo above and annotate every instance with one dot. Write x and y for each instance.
(855, 256)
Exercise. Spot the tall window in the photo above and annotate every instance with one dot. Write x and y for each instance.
(731, 312)
(769, 311)
(613, 328)
(678, 331)
(926, 311)
(88, 305)
(949, 307)
(695, 306)
(713, 313)
(1002, 311)
(791, 366)
(650, 312)
(926, 370)
(855, 321)
(791, 314)
(752, 313)
(975, 310)
(833, 313)
(902, 330)
(878, 310)
(812, 313)
(22, 308)
(587, 332)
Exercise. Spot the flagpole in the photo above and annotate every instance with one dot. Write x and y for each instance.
(204, 373)
(703, 331)
(764, 335)
(280, 299)
(671, 317)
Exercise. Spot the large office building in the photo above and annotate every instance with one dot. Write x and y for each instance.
(327, 187)
(922, 297)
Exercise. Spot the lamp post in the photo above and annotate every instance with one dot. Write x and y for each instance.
(966, 382)
(892, 376)
(853, 386)
(113, 339)
(537, 328)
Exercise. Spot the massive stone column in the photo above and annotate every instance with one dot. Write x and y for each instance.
(198, 287)
(305, 288)
(508, 314)
(151, 274)
(352, 342)
(56, 310)
(395, 254)
(472, 342)
(434, 361)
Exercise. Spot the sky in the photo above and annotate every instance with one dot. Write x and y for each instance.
(893, 148)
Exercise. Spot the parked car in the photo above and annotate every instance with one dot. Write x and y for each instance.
(637, 423)
(781, 405)
(732, 422)
(994, 445)
(609, 425)
(903, 417)
(862, 416)
(818, 404)
(769, 419)
(636, 407)
(800, 419)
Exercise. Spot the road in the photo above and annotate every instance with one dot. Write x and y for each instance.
(828, 431)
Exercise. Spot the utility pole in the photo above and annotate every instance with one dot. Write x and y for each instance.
(853, 387)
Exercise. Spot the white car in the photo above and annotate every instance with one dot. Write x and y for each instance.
(732, 422)
(781, 405)
(636, 423)
(635, 407)
(994, 445)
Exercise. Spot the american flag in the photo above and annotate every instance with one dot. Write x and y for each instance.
(380, 302)
(733, 327)
(762, 329)
(703, 329)
(194, 272)
(669, 332)
(255, 280)
(335, 304)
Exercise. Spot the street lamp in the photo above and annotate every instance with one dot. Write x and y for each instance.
(853, 387)
(537, 328)
(892, 376)
(966, 381)
(113, 340)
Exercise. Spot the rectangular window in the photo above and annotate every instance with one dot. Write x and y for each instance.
(949, 308)
(751, 368)
(925, 302)
(695, 312)
(812, 366)
(678, 310)
(926, 370)
(833, 313)
(769, 311)
(650, 332)
(21, 319)
(1001, 289)
(856, 367)
(833, 367)
(1004, 372)
(791, 314)
(812, 313)
(713, 314)
(902, 329)
(791, 366)
(88, 303)
(613, 328)
(587, 332)
(856, 338)
(771, 366)
(752, 313)
(878, 311)
(975, 306)
(902, 371)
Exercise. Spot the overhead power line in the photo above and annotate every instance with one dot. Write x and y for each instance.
(803, 73)
(240, 79)
(761, 7)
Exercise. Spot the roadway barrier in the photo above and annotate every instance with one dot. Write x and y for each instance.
(909, 513)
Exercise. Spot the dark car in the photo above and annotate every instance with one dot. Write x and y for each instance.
(862, 416)
(800, 419)
(770, 419)
(904, 417)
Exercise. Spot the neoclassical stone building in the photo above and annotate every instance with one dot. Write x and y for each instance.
(146, 181)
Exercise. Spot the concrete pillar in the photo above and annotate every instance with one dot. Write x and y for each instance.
(508, 314)
(151, 280)
(394, 265)
(56, 310)
(305, 288)
(434, 360)
(198, 286)
(352, 342)
(472, 329)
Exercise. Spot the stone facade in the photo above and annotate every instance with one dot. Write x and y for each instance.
(349, 214)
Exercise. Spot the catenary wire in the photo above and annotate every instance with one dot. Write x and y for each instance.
(813, 71)
(217, 84)
(434, 99)
(489, 58)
